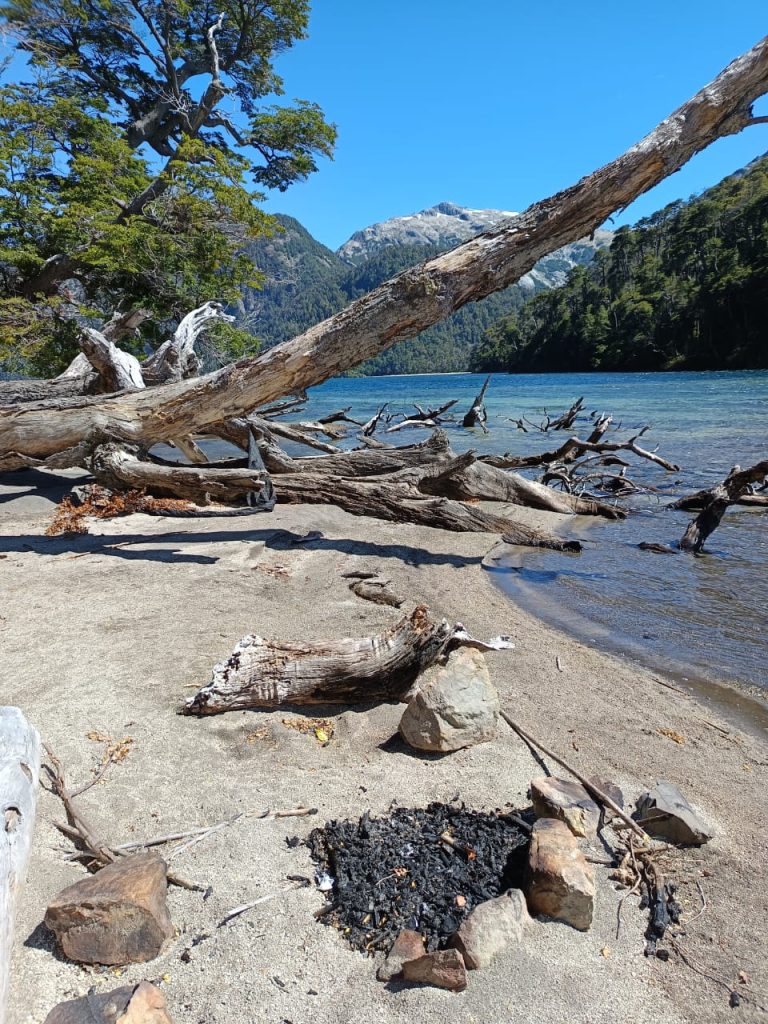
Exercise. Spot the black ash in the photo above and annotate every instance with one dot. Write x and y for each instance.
(418, 868)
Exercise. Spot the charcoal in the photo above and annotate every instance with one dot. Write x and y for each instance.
(405, 870)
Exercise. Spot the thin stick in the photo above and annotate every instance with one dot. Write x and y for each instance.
(99, 850)
(237, 911)
(589, 786)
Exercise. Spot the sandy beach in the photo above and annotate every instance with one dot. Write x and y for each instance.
(107, 633)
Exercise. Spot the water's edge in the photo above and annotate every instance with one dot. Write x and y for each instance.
(737, 702)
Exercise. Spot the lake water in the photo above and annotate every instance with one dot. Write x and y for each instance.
(702, 616)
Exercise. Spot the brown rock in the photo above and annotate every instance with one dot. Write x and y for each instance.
(117, 916)
(408, 945)
(129, 1004)
(568, 801)
(489, 928)
(561, 884)
(443, 969)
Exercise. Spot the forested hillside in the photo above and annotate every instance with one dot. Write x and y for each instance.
(684, 289)
(304, 282)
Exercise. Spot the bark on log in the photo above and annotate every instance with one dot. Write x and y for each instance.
(410, 302)
(117, 369)
(480, 481)
(121, 469)
(735, 485)
(262, 673)
(19, 775)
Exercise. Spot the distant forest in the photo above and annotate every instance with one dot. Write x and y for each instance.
(685, 289)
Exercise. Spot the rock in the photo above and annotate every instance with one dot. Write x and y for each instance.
(140, 1004)
(455, 706)
(443, 969)
(117, 916)
(408, 945)
(489, 928)
(560, 883)
(666, 813)
(567, 801)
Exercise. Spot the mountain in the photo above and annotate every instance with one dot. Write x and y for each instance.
(684, 289)
(444, 225)
(305, 282)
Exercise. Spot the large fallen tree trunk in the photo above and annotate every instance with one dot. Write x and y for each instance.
(269, 673)
(735, 485)
(395, 498)
(479, 481)
(408, 303)
(19, 774)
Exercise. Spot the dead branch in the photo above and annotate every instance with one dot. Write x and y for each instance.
(590, 787)
(477, 415)
(736, 485)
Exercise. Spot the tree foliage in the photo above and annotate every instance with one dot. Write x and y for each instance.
(684, 289)
(133, 158)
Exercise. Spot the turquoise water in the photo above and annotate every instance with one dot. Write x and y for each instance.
(705, 616)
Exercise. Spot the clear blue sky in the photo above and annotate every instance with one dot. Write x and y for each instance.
(497, 103)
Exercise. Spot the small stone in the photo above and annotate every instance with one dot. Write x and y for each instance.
(455, 706)
(666, 813)
(560, 884)
(567, 801)
(408, 945)
(489, 928)
(129, 1004)
(443, 969)
(117, 916)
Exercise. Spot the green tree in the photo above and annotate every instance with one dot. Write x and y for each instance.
(132, 160)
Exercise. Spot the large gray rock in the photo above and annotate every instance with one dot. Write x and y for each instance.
(666, 813)
(455, 706)
(560, 882)
(490, 927)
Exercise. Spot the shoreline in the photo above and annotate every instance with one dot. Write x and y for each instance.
(107, 633)
(742, 703)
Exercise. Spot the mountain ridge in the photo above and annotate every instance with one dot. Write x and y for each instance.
(306, 282)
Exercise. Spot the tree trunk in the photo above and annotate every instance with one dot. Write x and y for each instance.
(735, 485)
(410, 302)
(270, 673)
(19, 775)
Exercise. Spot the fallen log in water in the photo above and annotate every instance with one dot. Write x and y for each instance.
(477, 414)
(19, 774)
(269, 673)
(736, 485)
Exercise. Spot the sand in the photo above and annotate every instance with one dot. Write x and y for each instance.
(109, 641)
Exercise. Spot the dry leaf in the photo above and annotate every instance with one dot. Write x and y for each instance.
(605, 951)
(672, 735)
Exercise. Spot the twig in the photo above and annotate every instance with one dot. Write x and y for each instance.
(703, 902)
(589, 786)
(97, 778)
(100, 852)
(237, 911)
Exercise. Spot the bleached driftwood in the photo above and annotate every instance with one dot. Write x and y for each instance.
(270, 673)
(19, 775)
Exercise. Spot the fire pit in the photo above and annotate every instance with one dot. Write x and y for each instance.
(417, 868)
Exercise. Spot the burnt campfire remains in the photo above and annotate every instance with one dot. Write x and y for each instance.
(422, 869)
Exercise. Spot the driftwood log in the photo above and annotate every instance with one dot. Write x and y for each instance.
(19, 776)
(735, 486)
(265, 673)
(476, 416)
(405, 305)
(421, 495)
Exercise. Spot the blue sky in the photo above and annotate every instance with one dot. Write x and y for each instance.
(498, 104)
